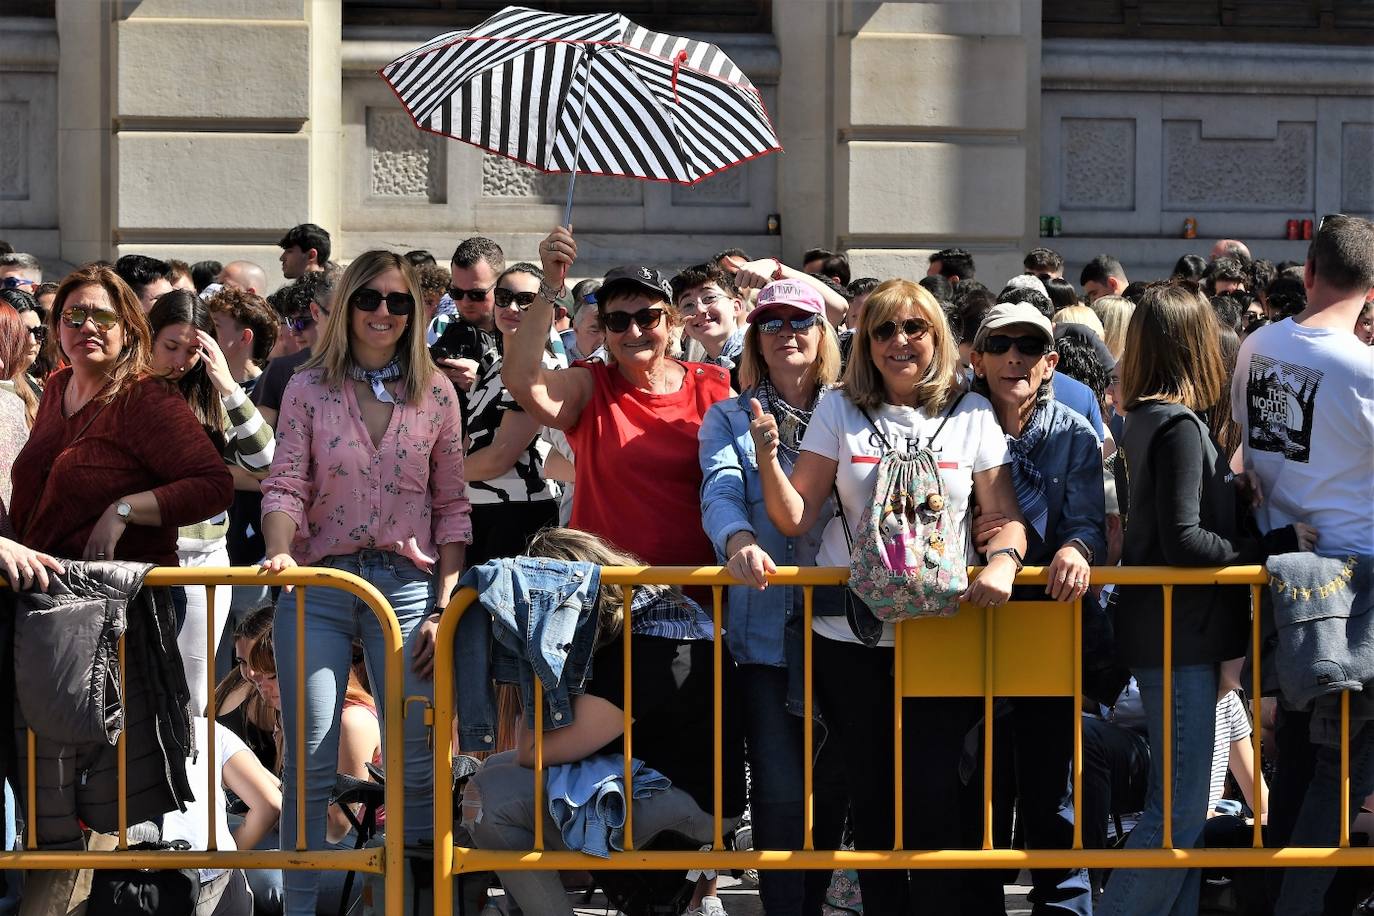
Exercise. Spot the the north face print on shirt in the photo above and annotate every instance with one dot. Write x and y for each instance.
(1280, 398)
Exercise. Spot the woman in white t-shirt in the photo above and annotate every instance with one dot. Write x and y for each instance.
(902, 382)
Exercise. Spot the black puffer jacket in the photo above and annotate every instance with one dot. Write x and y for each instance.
(66, 687)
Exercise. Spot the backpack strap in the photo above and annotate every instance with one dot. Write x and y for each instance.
(949, 413)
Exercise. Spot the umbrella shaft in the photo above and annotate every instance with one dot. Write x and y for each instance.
(577, 148)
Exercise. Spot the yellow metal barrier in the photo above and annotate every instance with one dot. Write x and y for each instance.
(1029, 648)
(386, 861)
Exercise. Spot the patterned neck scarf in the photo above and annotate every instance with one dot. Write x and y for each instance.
(378, 378)
(792, 421)
(1029, 483)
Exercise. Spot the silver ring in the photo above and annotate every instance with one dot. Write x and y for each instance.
(769, 436)
(100, 556)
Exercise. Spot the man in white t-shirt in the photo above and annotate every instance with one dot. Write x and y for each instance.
(1303, 394)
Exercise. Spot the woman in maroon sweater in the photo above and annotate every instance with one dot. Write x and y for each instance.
(115, 461)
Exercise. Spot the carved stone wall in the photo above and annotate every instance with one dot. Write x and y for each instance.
(14, 150)
(405, 163)
(504, 178)
(1238, 174)
(1098, 164)
(1357, 168)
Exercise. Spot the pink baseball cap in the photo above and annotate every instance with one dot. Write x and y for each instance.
(793, 293)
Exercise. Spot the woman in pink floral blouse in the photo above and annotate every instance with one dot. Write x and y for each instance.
(367, 478)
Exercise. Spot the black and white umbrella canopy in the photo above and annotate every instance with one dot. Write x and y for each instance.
(595, 94)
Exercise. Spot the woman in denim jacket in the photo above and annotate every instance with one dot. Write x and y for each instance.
(790, 357)
(1057, 473)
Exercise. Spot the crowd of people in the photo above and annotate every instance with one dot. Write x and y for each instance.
(495, 425)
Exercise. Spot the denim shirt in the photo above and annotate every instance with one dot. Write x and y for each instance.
(1070, 460)
(540, 620)
(760, 625)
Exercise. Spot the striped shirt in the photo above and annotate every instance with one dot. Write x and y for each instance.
(249, 444)
(1232, 725)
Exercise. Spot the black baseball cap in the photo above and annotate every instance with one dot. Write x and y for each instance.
(639, 278)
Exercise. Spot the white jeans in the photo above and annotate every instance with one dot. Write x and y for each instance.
(192, 638)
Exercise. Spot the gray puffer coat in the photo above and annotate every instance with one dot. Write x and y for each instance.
(66, 678)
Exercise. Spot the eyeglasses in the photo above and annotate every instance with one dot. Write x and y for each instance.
(619, 322)
(997, 344)
(297, 324)
(913, 328)
(13, 282)
(798, 325)
(505, 298)
(76, 316)
(476, 294)
(689, 307)
(40, 334)
(369, 300)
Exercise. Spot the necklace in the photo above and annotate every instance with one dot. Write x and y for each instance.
(377, 378)
(792, 421)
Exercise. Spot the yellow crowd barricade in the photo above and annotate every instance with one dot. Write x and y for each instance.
(1023, 648)
(386, 860)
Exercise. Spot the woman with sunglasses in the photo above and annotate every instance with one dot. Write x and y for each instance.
(37, 362)
(632, 422)
(1183, 512)
(1057, 471)
(15, 396)
(368, 478)
(116, 460)
(510, 496)
(187, 354)
(789, 360)
(901, 384)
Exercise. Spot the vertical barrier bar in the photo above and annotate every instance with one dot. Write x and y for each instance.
(212, 771)
(443, 770)
(1344, 840)
(121, 746)
(300, 719)
(717, 777)
(626, 632)
(988, 688)
(898, 685)
(1168, 713)
(31, 822)
(808, 735)
(1256, 705)
(1078, 723)
(539, 765)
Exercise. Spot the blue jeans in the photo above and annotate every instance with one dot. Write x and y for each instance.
(1318, 823)
(1172, 891)
(333, 619)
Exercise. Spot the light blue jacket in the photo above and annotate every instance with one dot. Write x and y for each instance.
(587, 800)
(732, 501)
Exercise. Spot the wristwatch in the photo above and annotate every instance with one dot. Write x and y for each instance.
(122, 509)
(1011, 552)
(777, 269)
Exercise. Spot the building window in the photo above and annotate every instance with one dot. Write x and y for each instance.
(1299, 21)
(660, 15)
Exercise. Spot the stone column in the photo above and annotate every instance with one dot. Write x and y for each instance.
(225, 123)
(937, 117)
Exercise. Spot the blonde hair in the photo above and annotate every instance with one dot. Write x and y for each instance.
(1080, 314)
(334, 351)
(1115, 314)
(863, 383)
(582, 547)
(1173, 353)
(823, 372)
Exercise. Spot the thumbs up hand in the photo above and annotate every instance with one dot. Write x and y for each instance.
(764, 430)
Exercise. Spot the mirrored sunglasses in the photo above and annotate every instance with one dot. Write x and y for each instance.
(798, 325)
(75, 316)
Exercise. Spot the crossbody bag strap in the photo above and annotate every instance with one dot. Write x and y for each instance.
(945, 419)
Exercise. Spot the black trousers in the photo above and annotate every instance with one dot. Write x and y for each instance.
(504, 529)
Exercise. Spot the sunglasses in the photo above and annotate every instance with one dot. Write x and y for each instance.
(506, 298)
(77, 315)
(40, 334)
(913, 328)
(798, 325)
(297, 324)
(619, 322)
(369, 300)
(476, 294)
(997, 344)
(15, 282)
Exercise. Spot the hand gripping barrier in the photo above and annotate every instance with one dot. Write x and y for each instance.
(386, 860)
(1024, 648)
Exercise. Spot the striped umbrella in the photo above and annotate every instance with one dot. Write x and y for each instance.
(595, 94)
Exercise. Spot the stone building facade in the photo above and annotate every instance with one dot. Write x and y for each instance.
(204, 128)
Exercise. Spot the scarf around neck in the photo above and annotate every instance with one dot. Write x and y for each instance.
(792, 421)
(378, 378)
(1029, 482)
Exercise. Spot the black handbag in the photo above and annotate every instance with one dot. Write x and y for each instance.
(145, 891)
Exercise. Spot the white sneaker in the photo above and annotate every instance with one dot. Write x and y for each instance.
(710, 906)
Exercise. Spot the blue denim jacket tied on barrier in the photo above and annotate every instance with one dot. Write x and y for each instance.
(541, 620)
(587, 800)
(762, 627)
